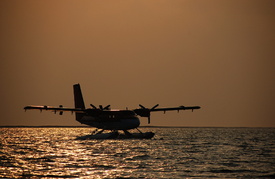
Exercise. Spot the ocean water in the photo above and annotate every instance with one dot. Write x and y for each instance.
(172, 153)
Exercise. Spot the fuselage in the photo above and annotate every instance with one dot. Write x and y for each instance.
(110, 119)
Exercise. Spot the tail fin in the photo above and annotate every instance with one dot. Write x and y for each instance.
(78, 101)
(78, 98)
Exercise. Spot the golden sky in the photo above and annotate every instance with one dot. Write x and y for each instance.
(218, 54)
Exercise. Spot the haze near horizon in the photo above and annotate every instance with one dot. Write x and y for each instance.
(215, 54)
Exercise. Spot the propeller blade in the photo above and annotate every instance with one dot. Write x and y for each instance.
(107, 107)
(155, 106)
(100, 107)
(142, 106)
(93, 106)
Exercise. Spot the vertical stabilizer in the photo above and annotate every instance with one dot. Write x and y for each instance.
(78, 98)
(78, 101)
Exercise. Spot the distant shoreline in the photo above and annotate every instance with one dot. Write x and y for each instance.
(46, 126)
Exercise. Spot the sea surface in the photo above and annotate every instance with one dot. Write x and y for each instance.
(172, 153)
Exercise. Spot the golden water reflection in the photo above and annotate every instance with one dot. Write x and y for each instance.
(173, 153)
(51, 152)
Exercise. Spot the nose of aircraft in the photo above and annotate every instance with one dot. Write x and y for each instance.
(131, 123)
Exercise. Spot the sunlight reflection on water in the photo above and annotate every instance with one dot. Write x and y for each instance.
(173, 153)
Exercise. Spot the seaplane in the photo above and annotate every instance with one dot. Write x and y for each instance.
(107, 119)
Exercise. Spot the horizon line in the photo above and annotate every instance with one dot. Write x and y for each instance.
(54, 126)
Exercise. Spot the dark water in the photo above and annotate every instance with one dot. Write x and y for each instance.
(172, 153)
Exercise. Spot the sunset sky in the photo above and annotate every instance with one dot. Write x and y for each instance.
(217, 54)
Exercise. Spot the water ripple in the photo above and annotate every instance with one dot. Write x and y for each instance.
(173, 153)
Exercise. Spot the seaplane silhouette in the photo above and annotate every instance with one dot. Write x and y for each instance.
(105, 118)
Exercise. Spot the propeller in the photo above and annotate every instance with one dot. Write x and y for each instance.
(146, 112)
(101, 107)
(148, 108)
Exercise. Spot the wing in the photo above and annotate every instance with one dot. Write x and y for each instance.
(59, 109)
(145, 112)
(176, 108)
